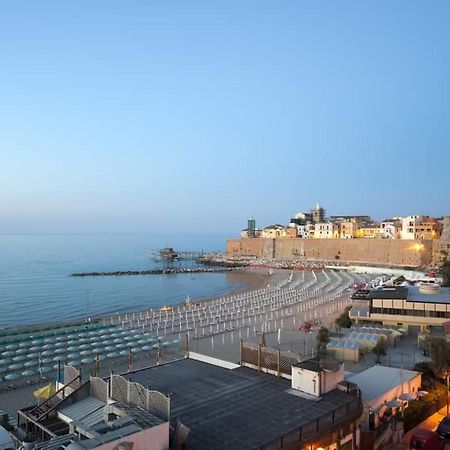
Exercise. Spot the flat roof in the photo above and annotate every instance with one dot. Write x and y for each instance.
(398, 292)
(414, 295)
(386, 378)
(239, 408)
(410, 294)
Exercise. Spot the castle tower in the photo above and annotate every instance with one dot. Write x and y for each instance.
(443, 247)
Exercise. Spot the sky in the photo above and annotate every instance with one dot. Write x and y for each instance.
(191, 116)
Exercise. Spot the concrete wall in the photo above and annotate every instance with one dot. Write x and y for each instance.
(155, 438)
(409, 253)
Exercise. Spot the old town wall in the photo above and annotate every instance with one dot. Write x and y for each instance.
(411, 253)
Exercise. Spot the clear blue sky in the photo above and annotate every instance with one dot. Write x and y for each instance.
(193, 115)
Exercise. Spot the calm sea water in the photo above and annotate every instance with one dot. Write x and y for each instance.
(35, 286)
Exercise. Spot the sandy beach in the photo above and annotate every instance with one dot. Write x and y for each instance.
(280, 328)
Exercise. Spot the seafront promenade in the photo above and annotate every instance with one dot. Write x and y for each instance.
(276, 307)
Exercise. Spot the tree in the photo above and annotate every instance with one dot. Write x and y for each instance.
(323, 337)
(344, 321)
(4, 422)
(380, 348)
(439, 349)
(445, 271)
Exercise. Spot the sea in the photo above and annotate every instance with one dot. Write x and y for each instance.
(36, 286)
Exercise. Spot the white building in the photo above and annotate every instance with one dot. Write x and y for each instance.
(325, 230)
(409, 226)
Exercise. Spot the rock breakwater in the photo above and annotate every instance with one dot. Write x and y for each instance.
(168, 271)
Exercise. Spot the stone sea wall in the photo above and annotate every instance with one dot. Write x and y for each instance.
(411, 253)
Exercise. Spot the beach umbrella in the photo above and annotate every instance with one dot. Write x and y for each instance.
(147, 347)
(73, 355)
(21, 351)
(60, 350)
(35, 349)
(121, 345)
(3, 369)
(11, 346)
(176, 341)
(12, 376)
(136, 350)
(15, 366)
(72, 342)
(47, 352)
(19, 358)
(24, 344)
(112, 355)
(110, 348)
(155, 345)
(45, 392)
(86, 352)
(73, 363)
(117, 341)
(98, 350)
(30, 364)
(46, 360)
(84, 347)
(60, 358)
(87, 361)
(28, 373)
(165, 344)
(45, 369)
(60, 344)
(123, 353)
(8, 353)
(37, 341)
(73, 348)
(33, 355)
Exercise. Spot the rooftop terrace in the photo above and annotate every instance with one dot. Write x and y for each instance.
(239, 408)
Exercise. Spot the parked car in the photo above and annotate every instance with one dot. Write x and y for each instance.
(426, 440)
(443, 428)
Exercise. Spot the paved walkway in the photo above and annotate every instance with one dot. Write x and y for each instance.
(430, 423)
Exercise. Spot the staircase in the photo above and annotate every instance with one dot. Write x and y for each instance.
(41, 411)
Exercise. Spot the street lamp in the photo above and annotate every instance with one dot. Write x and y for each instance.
(447, 377)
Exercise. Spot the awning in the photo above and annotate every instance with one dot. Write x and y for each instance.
(394, 403)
